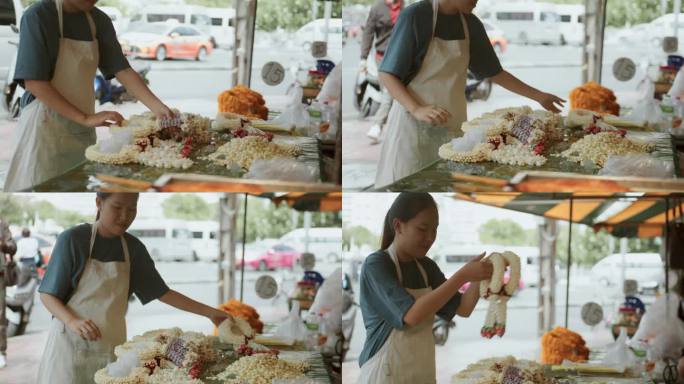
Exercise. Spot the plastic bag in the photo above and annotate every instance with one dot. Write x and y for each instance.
(640, 165)
(646, 107)
(123, 366)
(329, 296)
(283, 169)
(119, 138)
(292, 328)
(662, 329)
(294, 115)
(618, 355)
(331, 91)
(470, 139)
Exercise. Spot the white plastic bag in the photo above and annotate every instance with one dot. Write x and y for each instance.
(618, 355)
(292, 328)
(647, 108)
(639, 165)
(331, 91)
(283, 169)
(294, 115)
(662, 329)
(470, 139)
(123, 366)
(329, 295)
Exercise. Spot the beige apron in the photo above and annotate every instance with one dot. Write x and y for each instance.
(47, 144)
(101, 295)
(412, 145)
(408, 355)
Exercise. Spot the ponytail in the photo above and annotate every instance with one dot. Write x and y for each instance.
(405, 207)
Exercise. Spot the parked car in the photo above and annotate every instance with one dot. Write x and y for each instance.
(496, 37)
(315, 31)
(324, 243)
(193, 15)
(278, 256)
(166, 40)
(117, 18)
(648, 269)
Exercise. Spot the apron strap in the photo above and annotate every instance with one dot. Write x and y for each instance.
(93, 233)
(91, 23)
(59, 4)
(435, 12)
(466, 31)
(393, 255)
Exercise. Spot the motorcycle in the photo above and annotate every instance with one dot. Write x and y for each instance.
(12, 93)
(348, 314)
(440, 329)
(20, 297)
(112, 91)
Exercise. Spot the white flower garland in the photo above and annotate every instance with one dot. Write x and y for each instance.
(517, 154)
(165, 154)
(243, 151)
(125, 156)
(598, 147)
(497, 293)
(480, 153)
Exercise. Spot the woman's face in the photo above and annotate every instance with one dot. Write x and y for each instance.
(417, 235)
(117, 212)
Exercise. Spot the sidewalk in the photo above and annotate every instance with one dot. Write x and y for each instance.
(23, 358)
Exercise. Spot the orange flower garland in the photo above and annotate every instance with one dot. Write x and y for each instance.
(594, 97)
(563, 344)
(243, 101)
(236, 308)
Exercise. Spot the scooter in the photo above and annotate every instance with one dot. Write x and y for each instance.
(440, 329)
(349, 308)
(12, 92)
(112, 91)
(367, 93)
(19, 298)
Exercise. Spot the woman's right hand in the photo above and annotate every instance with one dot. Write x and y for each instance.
(431, 114)
(477, 270)
(103, 119)
(85, 328)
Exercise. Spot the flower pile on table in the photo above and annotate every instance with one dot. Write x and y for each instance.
(505, 370)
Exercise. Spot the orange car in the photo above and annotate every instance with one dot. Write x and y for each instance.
(496, 37)
(164, 40)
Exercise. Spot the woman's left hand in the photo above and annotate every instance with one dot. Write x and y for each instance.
(549, 101)
(217, 317)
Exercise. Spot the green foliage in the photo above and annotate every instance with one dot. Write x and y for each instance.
(359, 235)
(19, 210)
(506, 232)
(188, 207)
(272, 14)
(211, 3)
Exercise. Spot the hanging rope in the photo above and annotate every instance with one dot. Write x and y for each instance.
(567, 277)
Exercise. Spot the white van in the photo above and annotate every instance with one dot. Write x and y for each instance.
(315, 31)
(572, 22)
(222, 26)
(194, 15)
(324, 243)
(453, 257)
(205, 239)
(648, 269)
(526, 22)
(165, 240)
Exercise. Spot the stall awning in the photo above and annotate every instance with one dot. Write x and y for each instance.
(308, 201)
(623, 215)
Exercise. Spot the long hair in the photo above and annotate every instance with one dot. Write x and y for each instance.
(405, 207)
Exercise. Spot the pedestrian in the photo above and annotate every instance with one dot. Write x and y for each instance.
(381, 19)
(7, 250)
(93, 270)
(28, 249)
(402, 290)
(61, 45)
(425, 68)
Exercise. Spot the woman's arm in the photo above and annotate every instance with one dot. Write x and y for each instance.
(469, 300)
(135, 85)
(187, 304)
(82, 327)
(427, 113)
(46, 93)
(515, 85)
(426, 306)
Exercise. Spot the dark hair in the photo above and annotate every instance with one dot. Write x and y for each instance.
(405, 207)
(104, 196)
(25, 232)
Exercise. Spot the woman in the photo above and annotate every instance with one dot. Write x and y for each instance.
(61, 45)
(433, 45)
(92, 272)
(402, 290)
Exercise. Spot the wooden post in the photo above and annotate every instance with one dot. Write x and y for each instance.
(547, 276)
(226, 259)
(245, 22)
(594, 26)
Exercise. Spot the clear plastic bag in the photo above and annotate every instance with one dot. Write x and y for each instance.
(283, 169)
(292, 327)
(646, 108)
(470, 139)
(640, 165)
(662, 329)
(618, 355)
(294, 115)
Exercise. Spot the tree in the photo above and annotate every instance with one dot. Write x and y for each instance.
(588, 246)
(505, 232)
(359, 235)
(188, 207)
(271, 14)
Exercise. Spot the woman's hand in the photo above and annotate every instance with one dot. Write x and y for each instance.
(217, 317)
(103, 119)
(163, 112)
(477, 270)
(549, 101)
(431, 114)
(85, 328)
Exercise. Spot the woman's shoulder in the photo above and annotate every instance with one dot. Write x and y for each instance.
(41, 10)
(99, 16)
(378, 258)
(77, 231)
(418, 10)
